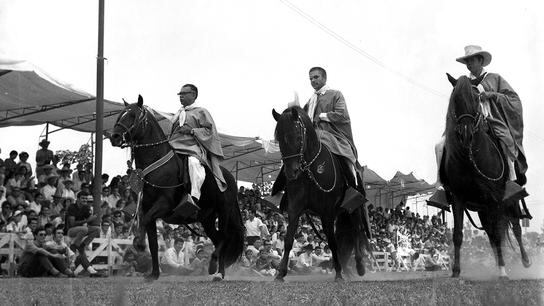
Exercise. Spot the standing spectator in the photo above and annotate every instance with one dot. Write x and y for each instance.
(11, 164)
(37, 261)
(78, 177)
(82, 234)
(254, 227)
(44, 156)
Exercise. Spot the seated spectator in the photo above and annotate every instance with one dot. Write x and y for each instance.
(27, 233)
(272, 254)
(119, 231)
(263, 264)
(279, 244)
(199, 265)
(138, 262)
(59, 246)
(320, 260)
(256, 247)
(82, 234)
(172, 261)
(50, 188)
(304, 262)
(67, 192)
(47, 170)
(5, 215)
(15, 223)
(105, 229)
(248, 259)
(298, 244)
(36, 261)
(44, 216)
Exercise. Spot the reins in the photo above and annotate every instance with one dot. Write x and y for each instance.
(476, 120)
(304, 165)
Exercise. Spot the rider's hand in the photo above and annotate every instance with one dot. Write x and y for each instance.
(485, 95)
(185, 129)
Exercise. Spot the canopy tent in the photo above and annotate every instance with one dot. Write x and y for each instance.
(31, 97)
(390, 193)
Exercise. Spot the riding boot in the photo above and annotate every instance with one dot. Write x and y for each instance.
(187, 207)
(513, 191)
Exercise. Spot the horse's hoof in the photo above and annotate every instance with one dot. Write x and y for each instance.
(212, 268)
(339, 279)
(150, 278)
(279, 279)
(526, 263)
(455, 274)
(360, 269)
(217, 277)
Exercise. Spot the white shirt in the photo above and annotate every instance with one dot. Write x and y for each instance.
(304, 260)
(172, 259)
(48, 192)
(253, 228)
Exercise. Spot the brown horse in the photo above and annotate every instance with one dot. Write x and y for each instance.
(474, 171)
(162, 191)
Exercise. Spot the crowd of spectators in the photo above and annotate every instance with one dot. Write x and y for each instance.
(51, 208)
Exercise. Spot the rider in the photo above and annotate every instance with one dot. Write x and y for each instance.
(501, 107)
(328, 111)
(194, 135)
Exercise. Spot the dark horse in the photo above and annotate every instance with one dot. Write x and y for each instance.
(474, 170)
(315, 183)
(162, 191)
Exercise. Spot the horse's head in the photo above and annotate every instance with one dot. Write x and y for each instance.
(130, 124)
(292, 135)
(464, 108)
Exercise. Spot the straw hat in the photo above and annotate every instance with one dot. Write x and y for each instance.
(473, 50)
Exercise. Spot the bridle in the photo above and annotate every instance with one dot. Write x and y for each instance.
(304, 165)
(142, 120)
(128, 131)
(476, 123)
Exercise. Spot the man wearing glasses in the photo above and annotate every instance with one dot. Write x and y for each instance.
(78, 217)
(194, 136)
(37, 261)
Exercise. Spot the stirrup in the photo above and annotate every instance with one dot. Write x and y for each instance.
(513, 192)
(439, 199)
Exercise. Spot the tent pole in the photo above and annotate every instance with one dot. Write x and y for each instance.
(97, 190)
(236, 171)
(47, 131)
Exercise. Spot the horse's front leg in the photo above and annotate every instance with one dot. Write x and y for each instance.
(356, 218)
(328, 228)
(458, 210)
(151, 229)
(289, 237)
(516, 228)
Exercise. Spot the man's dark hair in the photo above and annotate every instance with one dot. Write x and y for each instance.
(37, 230)
(193, 88)
(179, 240)
(48, 225)
(13, 153)
(321, 71)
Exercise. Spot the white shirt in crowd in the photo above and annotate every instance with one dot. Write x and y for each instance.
(172, 258)
(253, 228)
(304, 260)
(48, 192)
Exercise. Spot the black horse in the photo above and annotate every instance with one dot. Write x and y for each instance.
(163, 189)
(474, 171)
(316, 183)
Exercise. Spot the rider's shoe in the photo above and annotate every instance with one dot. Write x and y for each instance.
(439, 199)
(187, 207)
(513, 191)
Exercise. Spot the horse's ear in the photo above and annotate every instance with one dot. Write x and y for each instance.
(126, 103)
(275, 115)
(140, 101)
(452, 80)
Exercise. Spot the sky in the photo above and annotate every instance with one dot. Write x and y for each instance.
(389, 59)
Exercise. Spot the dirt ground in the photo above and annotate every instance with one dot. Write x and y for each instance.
(525, 287)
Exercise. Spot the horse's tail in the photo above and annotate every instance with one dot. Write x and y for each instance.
(234, 235)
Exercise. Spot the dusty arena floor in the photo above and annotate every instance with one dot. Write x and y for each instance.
(475, 287)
